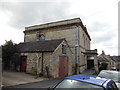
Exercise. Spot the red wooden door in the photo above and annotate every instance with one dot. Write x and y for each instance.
(23, 63)
(63, 66)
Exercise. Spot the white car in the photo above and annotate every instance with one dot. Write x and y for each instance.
(111, 74)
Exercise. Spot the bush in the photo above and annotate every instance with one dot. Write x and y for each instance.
(10, 57)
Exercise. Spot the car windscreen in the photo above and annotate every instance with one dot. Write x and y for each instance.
(110, 75)
(70, 84)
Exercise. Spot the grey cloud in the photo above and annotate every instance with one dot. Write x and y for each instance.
(101, 32)
(104, 38)
(113, 50)
(99, 27)
(31, 13)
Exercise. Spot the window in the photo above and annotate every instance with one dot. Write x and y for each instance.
(70, 84)
(114, 86)
(41, 37)
(63, 49)
(84, 40)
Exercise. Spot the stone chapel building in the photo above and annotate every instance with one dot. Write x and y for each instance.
(62, 45)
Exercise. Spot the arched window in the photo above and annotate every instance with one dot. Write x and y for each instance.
(41, 37)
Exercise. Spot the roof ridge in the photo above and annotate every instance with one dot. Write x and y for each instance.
(65, 20)
(43, 40)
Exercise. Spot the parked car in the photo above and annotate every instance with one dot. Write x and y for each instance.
(114, 68)
(86, 82)
(111, 74)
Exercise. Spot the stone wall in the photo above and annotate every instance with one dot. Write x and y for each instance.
(30, 37)
(32, 62)
(67, 32)
(50, 60)
(47, 57)
(84, 40)
(70, 33)
(54, 63)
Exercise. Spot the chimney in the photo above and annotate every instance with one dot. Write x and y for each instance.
(103, 53)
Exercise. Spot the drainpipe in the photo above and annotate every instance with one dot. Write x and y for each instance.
(76, 59)
(77, 50)
(42, 63)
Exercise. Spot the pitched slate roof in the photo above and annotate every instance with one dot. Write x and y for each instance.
(40, 46)
(115, 58)
(102, 59)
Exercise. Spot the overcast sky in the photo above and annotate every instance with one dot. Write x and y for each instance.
(99, 16)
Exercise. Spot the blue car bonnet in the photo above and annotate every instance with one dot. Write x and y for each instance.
(88, 78)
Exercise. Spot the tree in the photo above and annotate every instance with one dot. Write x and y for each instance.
(9, 54)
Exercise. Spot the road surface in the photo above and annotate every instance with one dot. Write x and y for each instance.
(46, 84)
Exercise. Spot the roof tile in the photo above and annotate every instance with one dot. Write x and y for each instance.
(40, 46)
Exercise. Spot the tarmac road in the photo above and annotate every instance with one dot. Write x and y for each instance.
(46, 84)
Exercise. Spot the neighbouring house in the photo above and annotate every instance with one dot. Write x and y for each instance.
(112, 61)
(116, 62)
(76, 37)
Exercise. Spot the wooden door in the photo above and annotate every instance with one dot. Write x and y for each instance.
(23, 63)
(63, 66)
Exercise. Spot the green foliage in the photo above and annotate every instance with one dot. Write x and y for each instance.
(104, 65)
(10, 55)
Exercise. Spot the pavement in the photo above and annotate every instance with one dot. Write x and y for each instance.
(10, 78)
